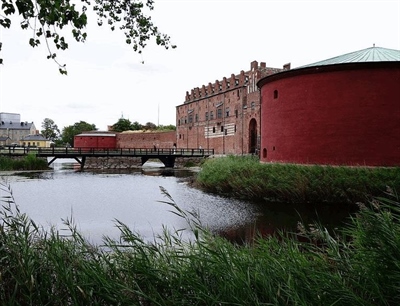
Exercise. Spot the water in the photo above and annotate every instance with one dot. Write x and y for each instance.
(94, 200)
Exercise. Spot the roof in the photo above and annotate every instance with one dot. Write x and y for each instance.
(96, 135)
(373, 54)
(35, 137)
(15, 125)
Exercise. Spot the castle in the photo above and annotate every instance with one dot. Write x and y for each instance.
(340, 111)
(224, 115)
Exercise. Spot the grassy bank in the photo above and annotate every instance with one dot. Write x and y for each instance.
(29, 162)
(359, 266)
(247, 178)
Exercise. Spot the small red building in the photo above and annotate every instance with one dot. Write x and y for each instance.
(341, 111)
(95, 140)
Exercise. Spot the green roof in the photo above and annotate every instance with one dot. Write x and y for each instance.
(373, 54)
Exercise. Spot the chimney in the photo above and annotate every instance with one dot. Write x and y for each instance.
(286, 66)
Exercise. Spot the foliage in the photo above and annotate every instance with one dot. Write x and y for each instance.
(29, 162)
(245, 177)
(150, 126)
(126, 125)
(136, 126)
(356, 266)
(69, 132)
(50, 129)
(169, 127)
(47, 19)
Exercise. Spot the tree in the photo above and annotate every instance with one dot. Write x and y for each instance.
(46, 18)
(136, 126)
(69, 132)
(50, 129)
(122, 125)
(150, 126)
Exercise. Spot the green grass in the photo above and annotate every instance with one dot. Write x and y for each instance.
(29, 162)
(247, 178)
(358, 265)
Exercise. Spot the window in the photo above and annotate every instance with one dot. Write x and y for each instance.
(197, 117)
(275, 94)
(219, 113)
(190, 118)
(264, 153)
(206, 116)
(213, 129)
(222, 128)
(211, 115)
(226, 131)
(236, 113)
(253, 105)
(227, 112)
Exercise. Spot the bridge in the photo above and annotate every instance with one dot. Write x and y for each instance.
(166, 156)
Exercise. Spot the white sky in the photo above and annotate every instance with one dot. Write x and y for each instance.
(214, 39)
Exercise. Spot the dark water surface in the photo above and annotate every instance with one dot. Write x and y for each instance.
(94, 200)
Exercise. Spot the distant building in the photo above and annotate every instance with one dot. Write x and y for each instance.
(4, 140)
(12, 130)
(340, 111)
(224, 115)
(36, 140)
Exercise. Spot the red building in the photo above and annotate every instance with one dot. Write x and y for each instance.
(96, 140)
(341, 111)
(125, 140)
(224, 115)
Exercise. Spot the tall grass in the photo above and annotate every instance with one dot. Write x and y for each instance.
(247, 178)
(29, 162)
(357, 266)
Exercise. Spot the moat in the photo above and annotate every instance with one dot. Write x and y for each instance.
(95, 199)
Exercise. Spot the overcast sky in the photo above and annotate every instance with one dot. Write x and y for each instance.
(214, 38)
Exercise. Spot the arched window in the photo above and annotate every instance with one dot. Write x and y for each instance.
(275, 94)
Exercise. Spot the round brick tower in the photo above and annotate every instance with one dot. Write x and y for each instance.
(341, 111)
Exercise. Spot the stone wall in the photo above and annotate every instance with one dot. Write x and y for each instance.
(132, 162)
(113, 162)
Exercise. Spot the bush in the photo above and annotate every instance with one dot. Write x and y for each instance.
(29, 162)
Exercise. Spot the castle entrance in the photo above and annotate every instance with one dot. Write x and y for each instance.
(253, 136)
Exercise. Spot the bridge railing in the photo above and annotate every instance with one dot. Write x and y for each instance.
(125, 151)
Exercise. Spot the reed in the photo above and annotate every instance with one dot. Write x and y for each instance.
(247, 178)
(29, 162)
(358, 265)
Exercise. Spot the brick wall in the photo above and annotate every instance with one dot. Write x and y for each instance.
(341, 115)
(224, 115)
(133, 139)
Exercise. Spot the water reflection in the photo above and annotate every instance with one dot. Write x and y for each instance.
(95, 199)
